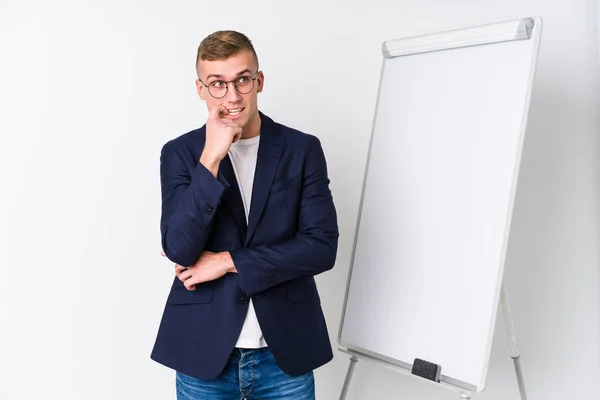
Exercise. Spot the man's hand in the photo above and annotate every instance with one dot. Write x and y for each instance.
(210, 266)
(221, 132)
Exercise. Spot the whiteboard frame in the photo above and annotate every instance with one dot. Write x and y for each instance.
(535, 35)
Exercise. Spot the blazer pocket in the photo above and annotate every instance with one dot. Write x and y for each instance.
(285, 184)
(303, 293)
(202, 295)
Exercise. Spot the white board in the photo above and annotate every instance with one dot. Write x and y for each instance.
(435, 212)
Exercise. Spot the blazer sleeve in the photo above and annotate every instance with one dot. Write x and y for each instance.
(189, 204)
(312, 251)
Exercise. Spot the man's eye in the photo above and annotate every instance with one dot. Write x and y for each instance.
(218, 84)
(243, 79)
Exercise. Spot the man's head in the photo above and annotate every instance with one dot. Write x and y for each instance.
(226, 59)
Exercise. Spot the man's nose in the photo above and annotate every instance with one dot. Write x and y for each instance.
(232, 93)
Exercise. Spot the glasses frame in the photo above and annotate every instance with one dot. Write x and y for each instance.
(227, 85)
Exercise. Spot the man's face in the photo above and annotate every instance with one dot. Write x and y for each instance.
(240, 68)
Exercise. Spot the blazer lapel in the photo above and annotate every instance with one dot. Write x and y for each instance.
(269, 154)
(232, 196)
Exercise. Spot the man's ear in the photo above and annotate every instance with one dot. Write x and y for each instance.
(261, 81)
(200, 89)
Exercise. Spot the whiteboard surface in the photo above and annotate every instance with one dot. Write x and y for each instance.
(435, 213)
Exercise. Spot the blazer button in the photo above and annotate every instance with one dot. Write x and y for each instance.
(209, 210)
(271, 280)
(244, 300)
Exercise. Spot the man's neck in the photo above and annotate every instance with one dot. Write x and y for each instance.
(253, 128)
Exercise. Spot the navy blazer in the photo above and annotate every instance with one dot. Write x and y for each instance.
(291, 236)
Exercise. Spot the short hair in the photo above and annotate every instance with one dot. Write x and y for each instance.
(221, 45)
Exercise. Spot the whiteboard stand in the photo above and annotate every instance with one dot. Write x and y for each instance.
(512, 340)
(353, 361)
(465, 394)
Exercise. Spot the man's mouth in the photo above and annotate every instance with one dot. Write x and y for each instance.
(234, 111)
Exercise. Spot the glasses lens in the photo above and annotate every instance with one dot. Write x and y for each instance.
(217, 89)
(244, 84)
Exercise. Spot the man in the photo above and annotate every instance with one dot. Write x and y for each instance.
(249, 220)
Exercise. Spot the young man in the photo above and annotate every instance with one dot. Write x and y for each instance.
(249, 220)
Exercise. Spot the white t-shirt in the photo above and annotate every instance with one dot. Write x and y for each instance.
(243, 155)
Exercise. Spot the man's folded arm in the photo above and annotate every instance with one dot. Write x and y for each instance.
(314, 248)
(189, 205)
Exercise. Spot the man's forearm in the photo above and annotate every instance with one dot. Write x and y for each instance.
(263, 267)
(188, 208)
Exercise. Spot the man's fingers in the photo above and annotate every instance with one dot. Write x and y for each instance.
(184, 275)
(237, 133)
(163, 253)
(223, 111)
(217, 112)
(214, 113)
(189, 284)
(230, 123)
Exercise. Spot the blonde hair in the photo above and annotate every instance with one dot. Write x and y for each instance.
(221, 45)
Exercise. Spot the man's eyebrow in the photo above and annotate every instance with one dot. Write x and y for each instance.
(220, 76)
(243, 72)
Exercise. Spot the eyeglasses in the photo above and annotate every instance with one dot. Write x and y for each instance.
(243, 84)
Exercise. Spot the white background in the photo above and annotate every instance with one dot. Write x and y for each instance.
(90, 91)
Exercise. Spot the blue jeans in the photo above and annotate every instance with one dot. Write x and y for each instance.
(250, 374)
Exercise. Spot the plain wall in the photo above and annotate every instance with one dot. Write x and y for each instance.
(90, 91)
